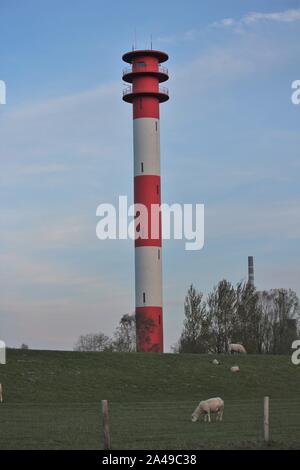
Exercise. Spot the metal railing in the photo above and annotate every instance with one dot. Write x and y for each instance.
(128, 90)
(146, 68)
(164, 90)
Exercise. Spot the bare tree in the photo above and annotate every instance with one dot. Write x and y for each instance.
(125, 334)
(93, 342)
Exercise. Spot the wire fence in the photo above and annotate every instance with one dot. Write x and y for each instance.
(147, 425)
(164, 425)
(50, 426)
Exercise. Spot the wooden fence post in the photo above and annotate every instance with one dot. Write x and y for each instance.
(105, 418)
(266, 420)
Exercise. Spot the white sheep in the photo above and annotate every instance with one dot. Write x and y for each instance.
(234, 368)
(206, 407)
(237, 348)
(215, 362)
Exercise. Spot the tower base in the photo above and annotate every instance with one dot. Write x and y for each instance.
(149, 329)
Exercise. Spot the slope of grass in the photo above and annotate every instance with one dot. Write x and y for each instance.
(52, 400)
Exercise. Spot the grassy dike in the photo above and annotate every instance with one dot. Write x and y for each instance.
(52, 399)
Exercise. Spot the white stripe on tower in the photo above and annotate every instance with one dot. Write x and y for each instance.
(146, 146)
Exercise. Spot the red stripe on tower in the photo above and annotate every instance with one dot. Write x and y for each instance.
(147, 192)
(145, 74)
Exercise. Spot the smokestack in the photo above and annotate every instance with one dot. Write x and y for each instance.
(250, 271)
(145, 94)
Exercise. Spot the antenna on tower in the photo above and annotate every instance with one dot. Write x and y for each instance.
(151, 40)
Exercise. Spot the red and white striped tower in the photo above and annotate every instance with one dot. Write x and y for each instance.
(145, 74)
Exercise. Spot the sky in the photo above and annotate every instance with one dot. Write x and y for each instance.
(229, 139)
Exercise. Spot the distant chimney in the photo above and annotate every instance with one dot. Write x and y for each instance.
(250, 271)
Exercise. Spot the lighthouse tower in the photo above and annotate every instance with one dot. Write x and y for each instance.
(145, 74)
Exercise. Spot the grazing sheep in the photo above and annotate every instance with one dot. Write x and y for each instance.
(237, 348)
(1, 395)
(235, 369)
(206, 407)
(216, 362)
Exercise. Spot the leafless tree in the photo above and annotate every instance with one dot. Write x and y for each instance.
(125, 334)
(93, 342)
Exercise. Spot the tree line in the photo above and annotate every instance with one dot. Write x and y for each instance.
(265, 322)
(123, 339)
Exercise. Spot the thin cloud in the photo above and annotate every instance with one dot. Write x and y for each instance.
(287, 16)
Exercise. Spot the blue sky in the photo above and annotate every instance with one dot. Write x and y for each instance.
(229, 139)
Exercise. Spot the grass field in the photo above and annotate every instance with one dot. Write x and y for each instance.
(52, 400)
